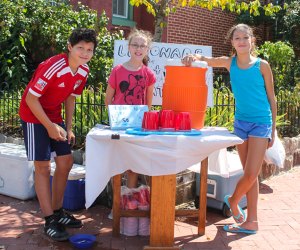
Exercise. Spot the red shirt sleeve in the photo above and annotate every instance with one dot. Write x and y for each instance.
(45, 74)
(151, 77)
(39, 82)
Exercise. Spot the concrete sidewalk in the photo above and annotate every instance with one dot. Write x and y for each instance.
(279, 221)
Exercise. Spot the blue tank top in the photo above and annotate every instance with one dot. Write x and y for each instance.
(251, 100)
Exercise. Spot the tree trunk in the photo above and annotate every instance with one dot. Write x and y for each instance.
(160, 15)
(158, 29)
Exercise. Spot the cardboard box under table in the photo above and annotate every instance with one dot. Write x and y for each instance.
(16, 172)
(74, 197)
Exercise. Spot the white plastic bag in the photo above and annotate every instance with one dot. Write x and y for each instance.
(276, 154)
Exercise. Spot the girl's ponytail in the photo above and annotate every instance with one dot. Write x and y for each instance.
(146, 60)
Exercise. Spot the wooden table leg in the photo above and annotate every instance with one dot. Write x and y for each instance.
(162, 214)
(203, 197)
(116, 204)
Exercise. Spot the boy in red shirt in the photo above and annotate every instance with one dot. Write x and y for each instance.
(57, 80)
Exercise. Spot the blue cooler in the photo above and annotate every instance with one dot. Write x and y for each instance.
(74, 197)
(224, 172)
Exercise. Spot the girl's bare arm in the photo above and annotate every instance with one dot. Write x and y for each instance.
(110, 92)
(218, 62)
(269, 83)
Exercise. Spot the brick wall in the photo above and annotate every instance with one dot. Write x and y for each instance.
(143, 19)
(100, 6)
(188, 25)
(200, 26)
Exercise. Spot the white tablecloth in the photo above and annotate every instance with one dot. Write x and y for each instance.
(150, 155)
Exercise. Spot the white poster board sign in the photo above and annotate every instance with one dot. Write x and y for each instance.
(126, 116)
(159, 54)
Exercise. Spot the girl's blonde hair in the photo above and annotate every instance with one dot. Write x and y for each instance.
(245, 28)
(141, 33)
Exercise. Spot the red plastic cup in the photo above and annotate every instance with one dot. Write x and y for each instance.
(150, 120)
(183, 121)
(167, 120)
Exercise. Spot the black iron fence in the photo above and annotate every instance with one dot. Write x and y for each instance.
(90, 110)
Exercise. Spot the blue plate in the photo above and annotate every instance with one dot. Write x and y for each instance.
(82, 241)
(140, 131)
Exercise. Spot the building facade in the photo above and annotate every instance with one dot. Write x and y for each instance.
(189, 25)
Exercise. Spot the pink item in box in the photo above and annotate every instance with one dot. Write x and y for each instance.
(147, 192)
(124, 199)
(143, 197)
(131, 204)
(144, 222)
(130, 226)
(137, 196)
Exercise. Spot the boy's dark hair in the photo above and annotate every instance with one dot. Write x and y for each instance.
(83, 34)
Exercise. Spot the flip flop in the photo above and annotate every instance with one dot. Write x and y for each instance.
(237, 229)
(236, 217)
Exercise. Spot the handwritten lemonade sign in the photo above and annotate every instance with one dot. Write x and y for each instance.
(159, 54)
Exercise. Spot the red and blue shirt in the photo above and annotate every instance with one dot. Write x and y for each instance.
(53, 82)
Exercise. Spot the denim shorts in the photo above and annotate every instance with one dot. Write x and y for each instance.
(244, 130)
(39, 146)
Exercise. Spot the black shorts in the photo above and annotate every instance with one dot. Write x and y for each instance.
(39, 146)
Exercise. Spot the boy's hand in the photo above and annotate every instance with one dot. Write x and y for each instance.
(57, 133)
(62, 132)
(71, 137)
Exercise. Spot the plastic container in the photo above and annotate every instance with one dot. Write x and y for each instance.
(185, 90)
(144, 222)
(225, 170)
(74, 197)
(16, 172)
(131, 224)
(82, 241)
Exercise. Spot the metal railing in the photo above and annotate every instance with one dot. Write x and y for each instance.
(90, 110)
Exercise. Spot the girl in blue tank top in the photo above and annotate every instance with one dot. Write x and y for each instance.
(255, 117)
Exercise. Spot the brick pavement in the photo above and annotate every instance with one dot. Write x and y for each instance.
(279, 220)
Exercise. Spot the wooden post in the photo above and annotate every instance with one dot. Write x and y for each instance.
(162, 214)
(202, 197)
(116, 204)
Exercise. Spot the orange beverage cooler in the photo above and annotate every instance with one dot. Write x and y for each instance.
(185, 90)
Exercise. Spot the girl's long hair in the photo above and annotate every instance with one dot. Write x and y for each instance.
(246, 28)
(141, 33)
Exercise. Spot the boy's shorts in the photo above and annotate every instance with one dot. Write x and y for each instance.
(39, 146)
(244, 130)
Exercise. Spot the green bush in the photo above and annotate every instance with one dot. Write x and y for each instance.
(222, 114)
(280, 56)
(31, 31)
(291, 21)
(288, 103)
(89, 111)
